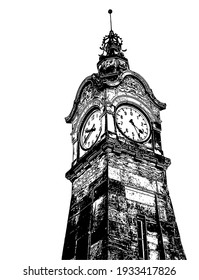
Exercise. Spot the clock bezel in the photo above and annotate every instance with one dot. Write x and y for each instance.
(142, 112)
(84, 121)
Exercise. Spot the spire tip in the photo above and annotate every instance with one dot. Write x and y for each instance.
(110, 12)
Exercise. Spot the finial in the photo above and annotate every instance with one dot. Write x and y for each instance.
(110, 12)
(112, 43)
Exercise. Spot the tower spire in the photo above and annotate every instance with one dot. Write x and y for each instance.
(110, 12)
(112, 43)
(112, 61)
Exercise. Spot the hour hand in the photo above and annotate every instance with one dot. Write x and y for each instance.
(89, 132)
(90, 129)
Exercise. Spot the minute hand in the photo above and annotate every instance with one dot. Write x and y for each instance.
(140, 131)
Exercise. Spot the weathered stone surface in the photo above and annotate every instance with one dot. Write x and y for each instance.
(113, 192)
(96, 250)
(82, 183)
(98, 213)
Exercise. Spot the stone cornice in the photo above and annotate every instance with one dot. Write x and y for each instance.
(112, 145)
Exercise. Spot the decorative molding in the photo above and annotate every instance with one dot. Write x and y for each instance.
(113, 145)
(96, 83)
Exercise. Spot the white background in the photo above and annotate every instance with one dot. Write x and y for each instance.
(47, 48)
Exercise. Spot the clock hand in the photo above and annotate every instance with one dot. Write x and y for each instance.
(140, 130)
(86, 138)
(89, 131)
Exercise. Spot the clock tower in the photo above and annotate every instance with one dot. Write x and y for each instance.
(120, 205)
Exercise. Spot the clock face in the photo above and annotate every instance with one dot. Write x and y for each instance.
(91, 130)
(132, 123)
